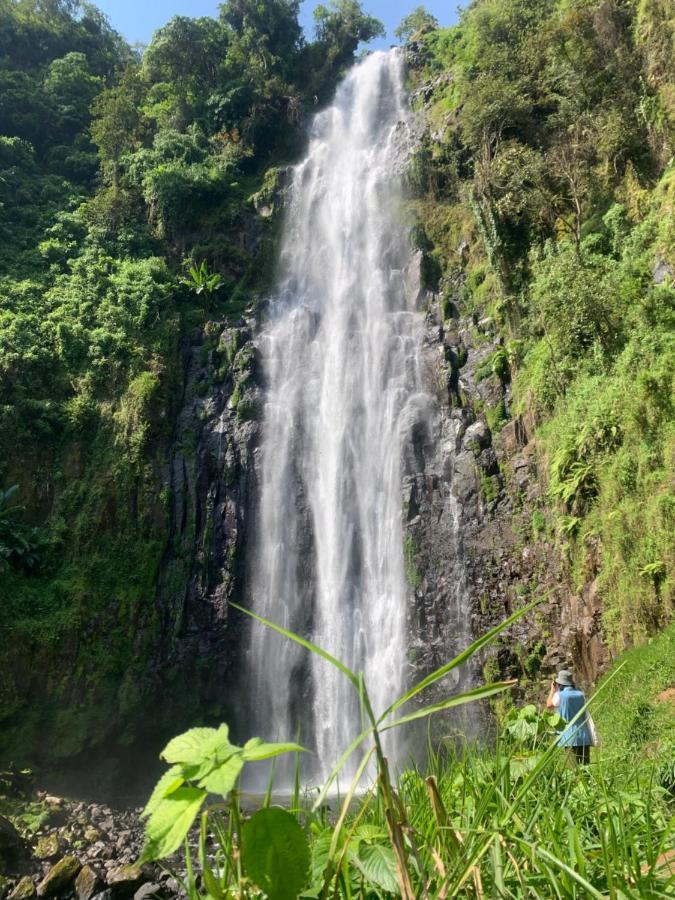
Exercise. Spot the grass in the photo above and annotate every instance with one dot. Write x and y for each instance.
(514, 820)
(639, 717)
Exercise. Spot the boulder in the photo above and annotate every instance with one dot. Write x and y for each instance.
(477, 434)
(48, 846)
(87, 883)
(11, 842)
(60, 877)
(24, 890)
(662, 271)
(148, 891)
(513, 435)
(124, 881)
(464, 476)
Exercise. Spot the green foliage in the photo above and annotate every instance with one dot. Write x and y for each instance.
(639, 718)
(18, 541)
(275, 853)
(516, 819)
(201, 281)
(417, 22)
(205, 761)
(558, 119)
(528, 727)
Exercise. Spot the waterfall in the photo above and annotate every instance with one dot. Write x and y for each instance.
(344, 389)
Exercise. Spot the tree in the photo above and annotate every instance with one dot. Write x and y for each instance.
(343, 25)
(188, 52)
(18, 542)
(118, 120)
(69, 89)
(267, 29)
(418, 21)
(340, 28)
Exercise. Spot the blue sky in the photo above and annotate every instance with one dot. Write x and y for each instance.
(137, 20)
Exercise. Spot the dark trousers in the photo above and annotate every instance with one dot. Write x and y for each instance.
(582, 755)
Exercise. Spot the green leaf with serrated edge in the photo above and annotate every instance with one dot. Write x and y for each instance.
(479, 693)
(377, 864)
(275, 853)
(195, 746)
(170, 780)
(170, 822)
(257, 751)
(223, 778)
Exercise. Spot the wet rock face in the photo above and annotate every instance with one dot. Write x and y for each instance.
(469, 495)
(207, 487)
(444, 508)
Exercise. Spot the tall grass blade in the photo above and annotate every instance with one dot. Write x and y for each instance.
(479, 693)
(458, 660)
(337, 768)
(319, 651)
(563, 867)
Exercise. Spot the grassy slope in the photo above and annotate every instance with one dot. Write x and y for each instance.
(588, 337)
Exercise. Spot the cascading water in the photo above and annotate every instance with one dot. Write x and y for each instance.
(341, 360)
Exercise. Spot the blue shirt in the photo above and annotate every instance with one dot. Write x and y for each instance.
(578, 734)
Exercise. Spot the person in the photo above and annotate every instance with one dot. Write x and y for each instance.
(568, 700)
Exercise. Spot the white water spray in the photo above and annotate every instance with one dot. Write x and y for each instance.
(341, 358)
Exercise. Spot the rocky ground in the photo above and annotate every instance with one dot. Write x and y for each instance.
(54, 847)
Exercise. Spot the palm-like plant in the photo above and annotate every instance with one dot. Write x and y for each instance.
(18, 542)
(201, 281)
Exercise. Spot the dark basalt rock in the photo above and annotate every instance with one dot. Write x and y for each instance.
(60, 877)
(24, 890)
(208, 483)
(12, 844)
(87, 883)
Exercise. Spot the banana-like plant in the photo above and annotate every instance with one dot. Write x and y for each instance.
(18, 542)
(201, 281)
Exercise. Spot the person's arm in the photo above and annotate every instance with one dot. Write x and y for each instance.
(552, 701)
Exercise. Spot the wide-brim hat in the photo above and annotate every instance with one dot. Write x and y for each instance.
(564, 677)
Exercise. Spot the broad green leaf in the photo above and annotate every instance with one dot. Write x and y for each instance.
(523, 765)
(222, 779)
(320, 856)
(370, 832)
(522, 730)
(377, 863)
(479, 693)
(198, 744)
(170, 780)
(457, 661)
(255, 750)
(170, 822)
(319, 651)
(275, 853)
